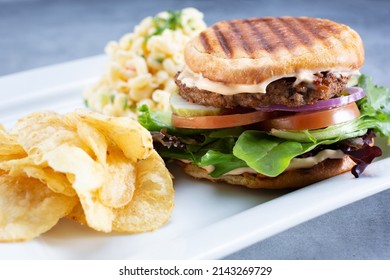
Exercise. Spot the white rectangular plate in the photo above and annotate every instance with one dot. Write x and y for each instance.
(209, 220)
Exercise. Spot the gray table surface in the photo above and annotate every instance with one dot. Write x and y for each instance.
(36, 33)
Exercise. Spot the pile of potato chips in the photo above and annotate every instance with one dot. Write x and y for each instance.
(98, 170)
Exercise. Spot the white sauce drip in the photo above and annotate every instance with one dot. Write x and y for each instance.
(192, 79)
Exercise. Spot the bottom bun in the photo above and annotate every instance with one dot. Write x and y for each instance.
(295, 178)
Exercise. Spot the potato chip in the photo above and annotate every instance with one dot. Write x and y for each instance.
(28, 208)
(118, 188)
(153, 199)
(87, 177)
(77, 214)
(9, 147)
(100, 171)
(88, 174)
(40, 133)
(97, 215)
(91, 137)
(57, 182)
(132, 138)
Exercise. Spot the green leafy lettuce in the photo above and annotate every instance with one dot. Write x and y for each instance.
(272, 154)
(267, 153)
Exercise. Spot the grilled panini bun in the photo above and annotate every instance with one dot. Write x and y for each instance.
(253, 50)
(291, 179)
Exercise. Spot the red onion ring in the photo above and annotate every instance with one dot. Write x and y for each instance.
(354, 94)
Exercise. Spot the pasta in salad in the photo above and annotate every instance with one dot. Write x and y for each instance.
(142, 64)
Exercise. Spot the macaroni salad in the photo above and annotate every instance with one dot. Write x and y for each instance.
(142, 64)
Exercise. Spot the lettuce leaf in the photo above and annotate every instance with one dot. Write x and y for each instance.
(270, 155)
(341, 131)
(223, 163)
(377, 100)
(375, 107)
(153, 120)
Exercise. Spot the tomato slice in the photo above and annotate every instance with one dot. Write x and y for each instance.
(222, 121)
(313, 119)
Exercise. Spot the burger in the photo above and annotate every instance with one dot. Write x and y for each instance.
(272, 103)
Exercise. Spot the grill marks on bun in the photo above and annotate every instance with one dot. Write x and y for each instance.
(242, 37)
(205, 42)
(267, 34)
(252, 50)
(222, 41)
(299, 30)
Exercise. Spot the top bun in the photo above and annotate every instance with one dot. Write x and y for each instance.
(253, 50)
